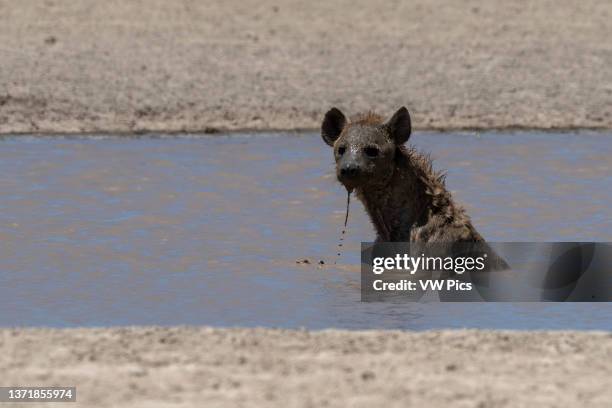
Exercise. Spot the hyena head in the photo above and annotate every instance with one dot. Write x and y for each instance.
(365, 148)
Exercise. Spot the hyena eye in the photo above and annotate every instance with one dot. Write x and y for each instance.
(371, 151)
(341, 150)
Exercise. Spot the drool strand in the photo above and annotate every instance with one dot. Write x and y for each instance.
(340, 243)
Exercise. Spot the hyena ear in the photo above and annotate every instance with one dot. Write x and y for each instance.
(332, 125)
(399, 126)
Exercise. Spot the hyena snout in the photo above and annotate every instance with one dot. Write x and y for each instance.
(350, 170)
(351, 173)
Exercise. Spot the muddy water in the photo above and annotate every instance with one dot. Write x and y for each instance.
(207, 230)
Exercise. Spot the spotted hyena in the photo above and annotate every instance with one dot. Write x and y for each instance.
(404, 196)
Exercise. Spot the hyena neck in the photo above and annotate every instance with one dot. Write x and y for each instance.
(408, 200)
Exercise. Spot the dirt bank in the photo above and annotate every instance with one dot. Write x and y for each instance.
(91, 66)
(262, 367)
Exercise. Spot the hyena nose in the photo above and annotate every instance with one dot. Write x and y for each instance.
(349, 170)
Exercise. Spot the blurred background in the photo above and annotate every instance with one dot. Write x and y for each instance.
(186, 65)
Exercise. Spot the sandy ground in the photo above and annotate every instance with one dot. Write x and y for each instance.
(204, 367)
(129, 66)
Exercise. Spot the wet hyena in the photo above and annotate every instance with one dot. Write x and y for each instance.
(404, 197)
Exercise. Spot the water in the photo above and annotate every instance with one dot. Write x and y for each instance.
(207, 230)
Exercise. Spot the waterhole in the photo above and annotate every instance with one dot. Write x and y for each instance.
(207, 229)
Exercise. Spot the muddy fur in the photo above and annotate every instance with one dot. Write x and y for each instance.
(414, 205)
(404, 196)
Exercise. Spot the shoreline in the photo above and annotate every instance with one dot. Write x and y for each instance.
(147, 133)
(185, 366)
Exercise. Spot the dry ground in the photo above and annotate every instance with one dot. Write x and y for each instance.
(205, 367)
(129, 66)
